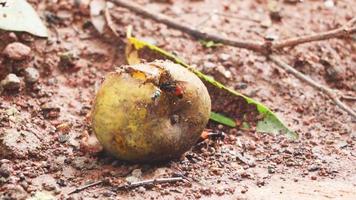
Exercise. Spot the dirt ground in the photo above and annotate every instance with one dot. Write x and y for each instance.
(44, 126)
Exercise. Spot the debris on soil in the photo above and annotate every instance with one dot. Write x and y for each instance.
(90, 144)
(18, 144)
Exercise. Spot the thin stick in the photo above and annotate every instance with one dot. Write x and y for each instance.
(264, 47)
(252, 45)
(348, 98)
(329, 92)
(336, 33)
(150, 182)
(229, 16)
(81, 188)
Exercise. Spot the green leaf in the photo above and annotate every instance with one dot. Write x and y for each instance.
(269, 122)
(18, 15)
(222, 119)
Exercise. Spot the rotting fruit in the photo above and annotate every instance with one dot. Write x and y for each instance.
(150, 112)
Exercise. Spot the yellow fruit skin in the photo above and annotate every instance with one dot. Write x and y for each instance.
(134, 126)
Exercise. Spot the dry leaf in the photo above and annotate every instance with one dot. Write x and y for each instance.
(97, 9)
(131, 52)
(18, 15)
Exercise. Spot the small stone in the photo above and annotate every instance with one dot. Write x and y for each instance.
(135, 176)
(31, 75)
(161, 172)
(251, 146)
(271, 37)
(17, 51)
(271, 170)
(136, 173)
(313, 178)
(132, 179)
(244, 189)
(329, 4)
(313, 168)
(50, 111)
(49, 186)
(226, 73)
(11, 82)
(80, 163)
(5, 170)
(62, 138)
(141, 189)
(260, 182)
(224, 57)
(208, 65)
(24, 185)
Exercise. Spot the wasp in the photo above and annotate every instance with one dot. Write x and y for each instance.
(173, 88)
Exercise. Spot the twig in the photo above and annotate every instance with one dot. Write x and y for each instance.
(150, 182)
(252, 45)
(264, 47)
(222, 14)
(345, 30)
(329, 92)
(81, 188)
(348, 98)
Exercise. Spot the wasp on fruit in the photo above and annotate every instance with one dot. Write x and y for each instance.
(173, 88)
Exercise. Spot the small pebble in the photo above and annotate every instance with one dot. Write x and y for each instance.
(31, 75)
(11, 82)
(17, 51)
(224, 57)
(5, 170)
